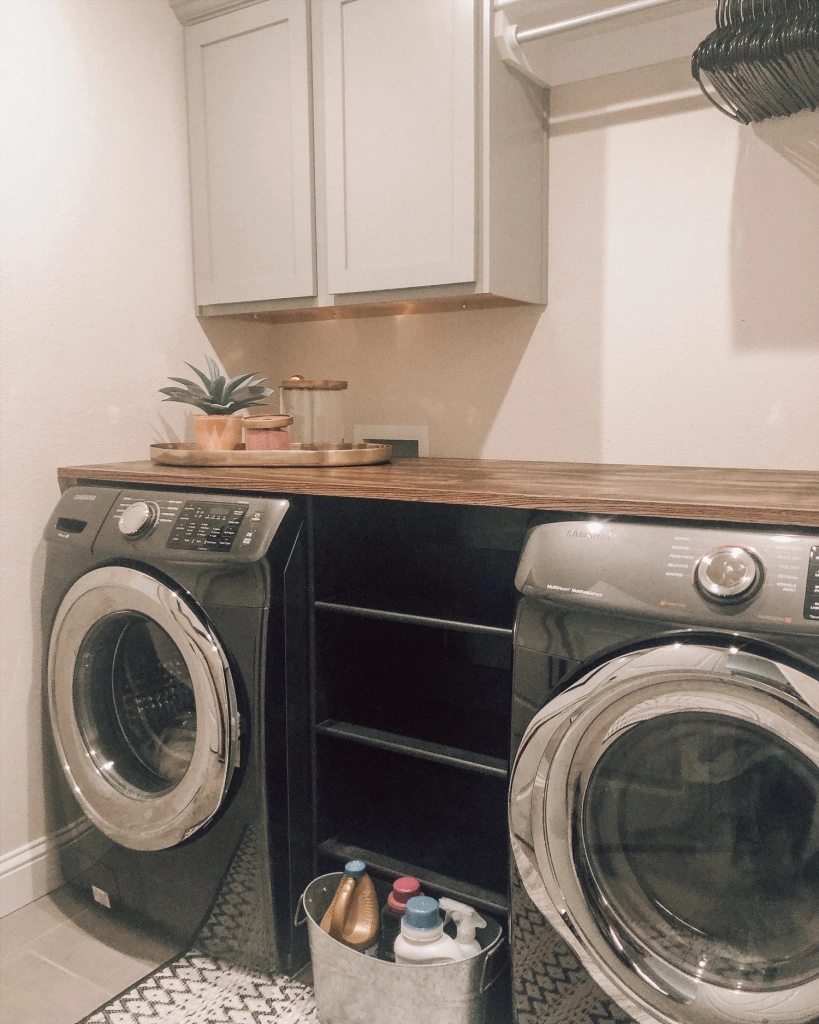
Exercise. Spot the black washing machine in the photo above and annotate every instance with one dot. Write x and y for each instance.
(177, 691)
(664, 794)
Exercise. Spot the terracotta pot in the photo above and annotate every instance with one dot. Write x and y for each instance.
(218, 433)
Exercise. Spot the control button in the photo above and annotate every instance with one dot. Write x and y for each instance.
(139, 519)
(256, 517)
(728, 574)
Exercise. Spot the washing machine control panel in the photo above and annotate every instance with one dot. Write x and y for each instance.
(184, 526)
(207, 525)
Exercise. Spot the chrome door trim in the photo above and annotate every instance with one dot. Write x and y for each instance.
(553, 765)
(138, 820)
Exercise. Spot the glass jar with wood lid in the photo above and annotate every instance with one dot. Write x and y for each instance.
(317, 408)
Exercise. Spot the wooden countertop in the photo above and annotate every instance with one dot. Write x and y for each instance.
(775, 497)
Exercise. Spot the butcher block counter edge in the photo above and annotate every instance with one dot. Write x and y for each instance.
(774, 497)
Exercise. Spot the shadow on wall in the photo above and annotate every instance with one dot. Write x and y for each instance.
(449, 371)
(774, 232)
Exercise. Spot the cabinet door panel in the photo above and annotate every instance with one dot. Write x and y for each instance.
(251, 180)
(399, 92)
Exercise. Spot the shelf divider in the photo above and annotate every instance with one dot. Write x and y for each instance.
(414, 620)
(483, 764)
(474, 895)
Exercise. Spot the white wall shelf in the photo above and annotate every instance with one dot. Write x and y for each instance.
(554, 42)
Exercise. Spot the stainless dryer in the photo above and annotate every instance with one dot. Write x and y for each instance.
(177, 692)
(664, 795)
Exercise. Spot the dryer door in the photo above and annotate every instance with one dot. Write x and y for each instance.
(664, 813)
(142, 707)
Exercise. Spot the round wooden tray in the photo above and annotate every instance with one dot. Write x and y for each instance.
(177, 454)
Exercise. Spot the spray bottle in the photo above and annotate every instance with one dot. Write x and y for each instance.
(467, 920)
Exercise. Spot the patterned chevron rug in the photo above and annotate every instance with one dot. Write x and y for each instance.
(197, 989)
(204, 986)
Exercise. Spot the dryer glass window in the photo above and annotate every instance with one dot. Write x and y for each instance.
(699, 840)
(135, 705)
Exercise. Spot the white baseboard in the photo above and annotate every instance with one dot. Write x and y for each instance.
(33, 870)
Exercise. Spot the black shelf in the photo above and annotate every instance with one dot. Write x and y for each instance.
(448, 563)
(437, 686)
(443, 608)
(433, 883)
(411, 648)
(455, 757)
(417, 812)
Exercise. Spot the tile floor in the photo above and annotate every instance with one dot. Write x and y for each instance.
(63, 956)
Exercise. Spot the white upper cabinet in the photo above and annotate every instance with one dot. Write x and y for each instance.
(399, 143)
(382, 142)
(251, 178)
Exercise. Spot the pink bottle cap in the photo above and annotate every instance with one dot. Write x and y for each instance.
(403, 889)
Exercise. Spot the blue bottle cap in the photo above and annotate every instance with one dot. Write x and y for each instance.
(355, 868)
(422, 912)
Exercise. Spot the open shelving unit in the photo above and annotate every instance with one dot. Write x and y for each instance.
(413, 618)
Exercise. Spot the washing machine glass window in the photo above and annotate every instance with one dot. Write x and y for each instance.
(700, 833)
(143, 708)
(135, 704)
(665, 820)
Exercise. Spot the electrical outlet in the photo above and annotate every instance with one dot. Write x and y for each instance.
(407, 442)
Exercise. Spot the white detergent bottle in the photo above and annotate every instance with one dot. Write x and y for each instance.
(422, 939)
(467, 921)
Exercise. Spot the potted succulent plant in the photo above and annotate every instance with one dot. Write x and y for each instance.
(219, 429)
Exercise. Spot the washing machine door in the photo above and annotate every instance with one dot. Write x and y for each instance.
(664, 814)
(143, 708)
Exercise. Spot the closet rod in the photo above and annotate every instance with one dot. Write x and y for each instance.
(557, 27)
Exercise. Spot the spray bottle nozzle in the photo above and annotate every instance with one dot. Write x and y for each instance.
(466, 918)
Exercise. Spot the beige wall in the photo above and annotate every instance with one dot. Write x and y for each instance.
(683, 317)
(96, 303)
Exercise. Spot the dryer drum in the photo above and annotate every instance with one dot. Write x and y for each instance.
(664, 813)
(142, 706)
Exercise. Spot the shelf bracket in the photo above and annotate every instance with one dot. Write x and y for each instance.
(506, 38)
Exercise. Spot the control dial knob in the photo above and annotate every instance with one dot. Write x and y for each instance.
(728, 574)
(139, 519)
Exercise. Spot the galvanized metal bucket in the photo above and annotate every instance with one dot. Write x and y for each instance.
(352, 988)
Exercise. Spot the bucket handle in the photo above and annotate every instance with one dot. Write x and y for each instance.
(492, 955)
(298, 920)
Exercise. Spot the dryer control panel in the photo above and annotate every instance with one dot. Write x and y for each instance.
(757, 579)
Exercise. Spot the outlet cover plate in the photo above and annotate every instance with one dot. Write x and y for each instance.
(385, 434)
